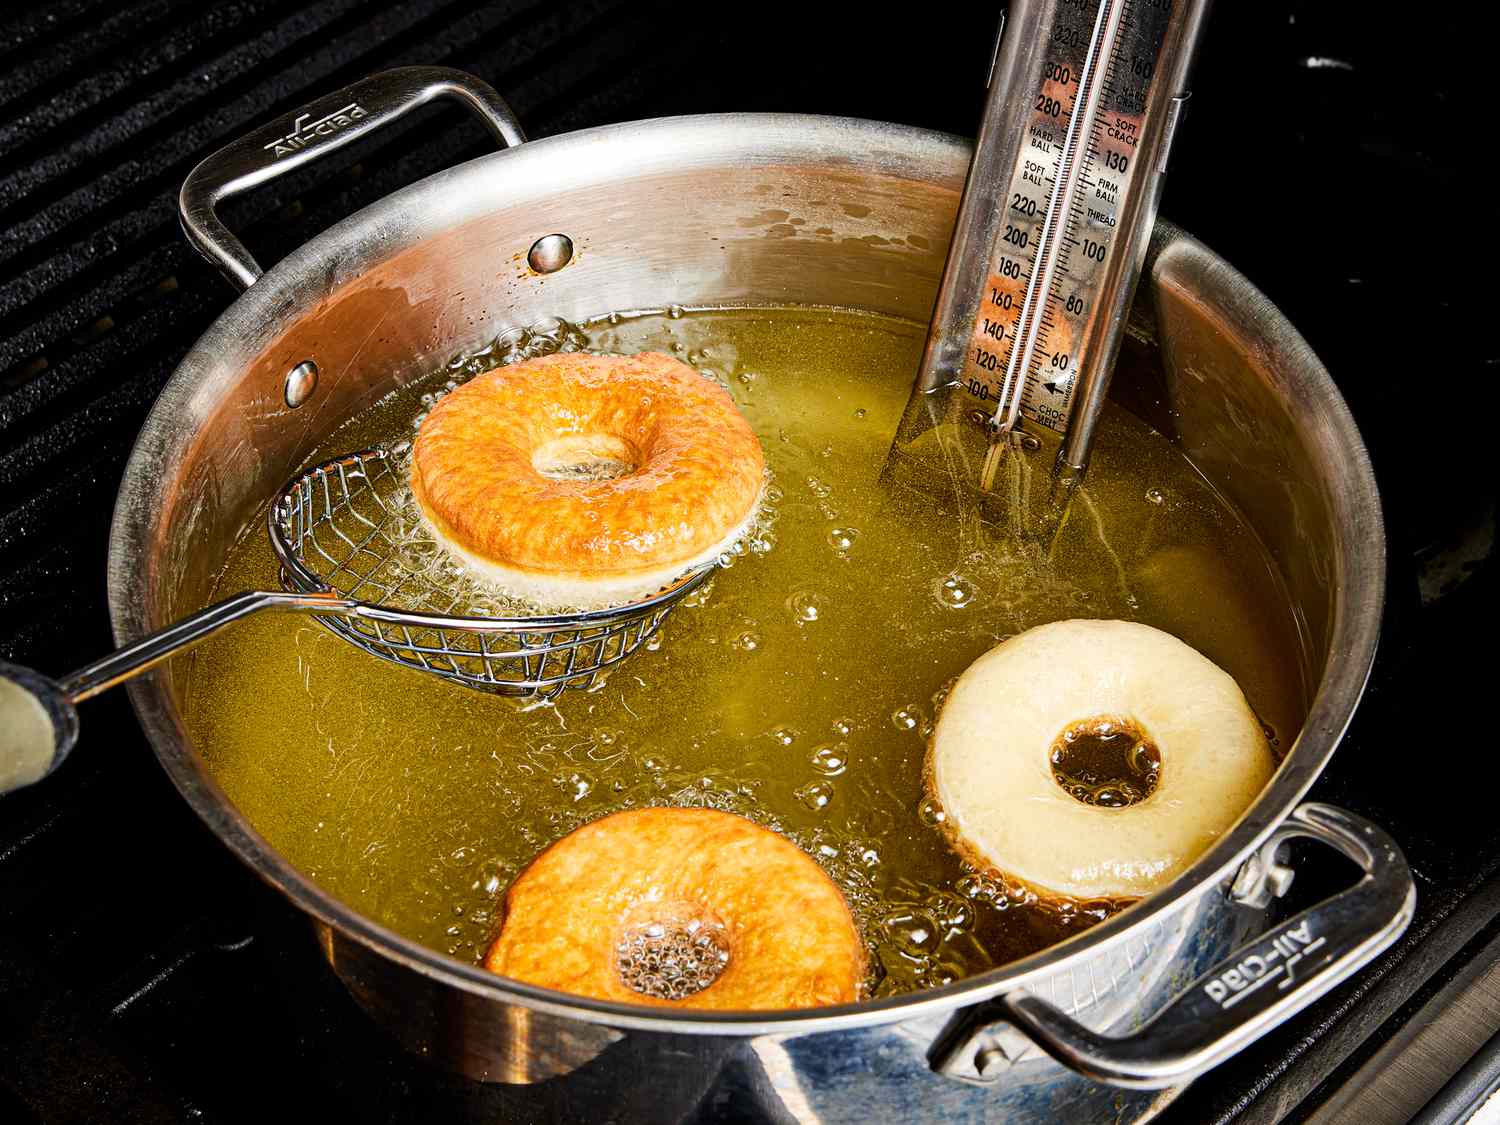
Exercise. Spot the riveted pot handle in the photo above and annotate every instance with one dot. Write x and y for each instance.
(315, 130)
(1258, 987)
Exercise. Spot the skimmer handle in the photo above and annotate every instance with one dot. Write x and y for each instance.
(312, 131)
(38, 719)
(155, 647)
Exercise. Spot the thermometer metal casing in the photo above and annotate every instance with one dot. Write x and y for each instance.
(1083, 103)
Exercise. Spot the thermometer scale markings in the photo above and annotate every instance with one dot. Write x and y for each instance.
(1029, 335)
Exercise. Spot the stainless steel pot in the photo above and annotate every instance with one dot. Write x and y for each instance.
(794, 210)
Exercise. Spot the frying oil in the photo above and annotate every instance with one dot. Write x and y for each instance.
(798, 688)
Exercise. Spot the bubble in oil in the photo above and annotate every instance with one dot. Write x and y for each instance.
(953, 591)
(816, 795)
(912, 932)
(950, 911)
(783, 736)
(909, 717)
(487, 605)
(819, 489)
(940, 696)
(831, 759)
(806, 607)
(842, 727)
(671, 960)
(418, 555)
(842, 539)
(939, 976)
(930, 813)
(978, 888)
(1154, 496)
(1017, 895)
(699, 596)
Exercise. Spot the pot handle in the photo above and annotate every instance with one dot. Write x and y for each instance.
(1258, 987)
(313, 131)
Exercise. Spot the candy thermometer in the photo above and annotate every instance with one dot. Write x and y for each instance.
(1083, 103)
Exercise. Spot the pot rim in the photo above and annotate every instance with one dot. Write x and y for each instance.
(467, 191)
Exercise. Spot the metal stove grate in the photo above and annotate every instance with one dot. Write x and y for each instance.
(143, 975)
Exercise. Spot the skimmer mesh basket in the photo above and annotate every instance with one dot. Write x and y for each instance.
(347, 527)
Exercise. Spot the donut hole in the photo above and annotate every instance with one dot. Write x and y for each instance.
(1106, 762)
(586, 457)
(672, 956)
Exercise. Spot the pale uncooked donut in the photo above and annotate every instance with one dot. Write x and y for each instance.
(990, 767)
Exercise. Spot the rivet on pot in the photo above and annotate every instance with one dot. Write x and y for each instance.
(1260, 879)
(550, 253)
(301, 381)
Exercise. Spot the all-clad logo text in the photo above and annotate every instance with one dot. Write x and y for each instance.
(1277, 958)
(305, 133)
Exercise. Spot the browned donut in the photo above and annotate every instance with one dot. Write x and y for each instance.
(760, 912)
(489, 472)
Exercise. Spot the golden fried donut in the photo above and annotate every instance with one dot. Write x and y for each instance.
(675, 899)
(990, 764)
(507, 470)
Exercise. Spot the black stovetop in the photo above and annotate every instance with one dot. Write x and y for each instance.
(145, 976)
